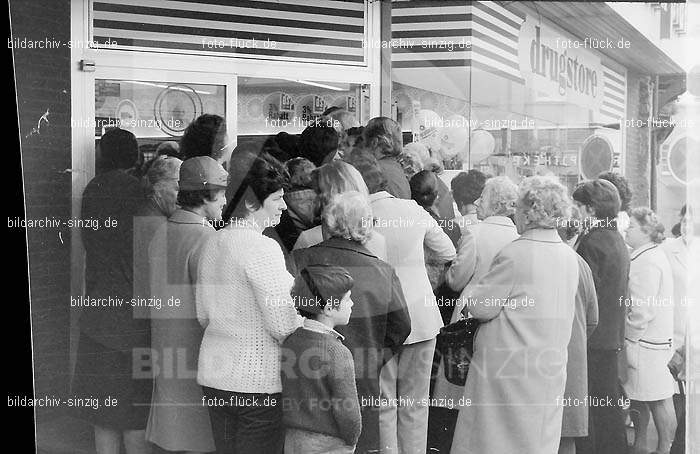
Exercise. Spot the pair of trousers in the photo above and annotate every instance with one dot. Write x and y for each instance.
(606, 424)
(245, 423)
(404, 384)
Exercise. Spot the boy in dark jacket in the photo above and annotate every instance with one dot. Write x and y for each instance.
(319, 395)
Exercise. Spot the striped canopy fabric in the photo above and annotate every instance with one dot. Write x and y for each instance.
(330, 31)
(427, 50)
(430, 34)
(614, 95)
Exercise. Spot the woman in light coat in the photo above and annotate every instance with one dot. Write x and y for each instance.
(649, 331)
(516, 380)
(178, 422)
(407, 228)
(477, 247)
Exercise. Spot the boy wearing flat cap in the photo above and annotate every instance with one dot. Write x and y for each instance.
(319, 396)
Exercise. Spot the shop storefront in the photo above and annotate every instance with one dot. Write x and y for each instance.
(525, 94)
(500, 88)
(503, 87)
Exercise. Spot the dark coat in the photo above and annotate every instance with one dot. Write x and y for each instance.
(379, 323)
(116, 196)
(606, 254)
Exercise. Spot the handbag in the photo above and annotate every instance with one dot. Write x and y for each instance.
(455, 342)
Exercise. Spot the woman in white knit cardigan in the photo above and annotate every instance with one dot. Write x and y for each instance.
(244, 305)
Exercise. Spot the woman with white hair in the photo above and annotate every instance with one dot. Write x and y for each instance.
(160, 187)
(476, 251)
(525, 301)
(380, 322)
(477, 247)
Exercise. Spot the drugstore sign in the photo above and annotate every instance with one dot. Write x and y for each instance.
(558, 66)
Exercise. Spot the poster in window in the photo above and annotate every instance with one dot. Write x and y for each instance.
(286, 103)
(319, 105)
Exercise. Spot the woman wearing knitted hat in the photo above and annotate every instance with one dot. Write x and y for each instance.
(177, 421)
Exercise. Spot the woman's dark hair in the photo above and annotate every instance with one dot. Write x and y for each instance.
(354, 136)
(253, 176)
(424, 188)
(382, 136)
(118, 149)
(197, 198)
(369, 168)
(468, 186)
(273, 148)
(317, 142)
(288, 143)
(623, 189)
(205, 136)
(601, 196)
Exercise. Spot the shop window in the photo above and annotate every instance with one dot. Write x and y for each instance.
(489, 87)
(267, 107)
(154, 111)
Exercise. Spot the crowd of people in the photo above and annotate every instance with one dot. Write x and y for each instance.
(301, 284)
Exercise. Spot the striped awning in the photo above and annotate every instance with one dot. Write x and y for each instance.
(614, 95)
(330, 31)
(430, 34)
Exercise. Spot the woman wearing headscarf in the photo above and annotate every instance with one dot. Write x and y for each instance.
(110, 336)
(516, 380)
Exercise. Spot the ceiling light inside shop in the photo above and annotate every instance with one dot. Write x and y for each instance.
(172, 87)
(316, 84)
